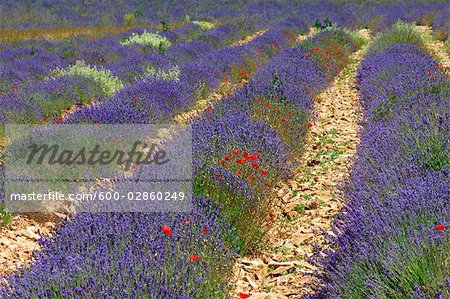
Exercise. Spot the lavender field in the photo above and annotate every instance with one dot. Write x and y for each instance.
(318, 155)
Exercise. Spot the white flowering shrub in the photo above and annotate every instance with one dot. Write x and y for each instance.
(172, 73)
(205, 25)
(153, 40)
(108, 82)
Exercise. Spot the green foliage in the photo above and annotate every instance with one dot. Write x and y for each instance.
(108, 82)
(153, 40)
(435, 154)
(300, 209)
(138, 13)
(423, 270)
(400, 33)
(187, 19)
(204, 25)
(165, 26)
(161, 48)
(129, 18)
(248, 220)
(326, 24)
(5, 217)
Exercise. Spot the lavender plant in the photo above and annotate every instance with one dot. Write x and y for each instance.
(392, 240)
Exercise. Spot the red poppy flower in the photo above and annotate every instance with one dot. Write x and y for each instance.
(289, 112)
(438, 66)
(205, 230)
(227, 158)
(271, 215)
(268, 185)
(254, 213)
(264, 172)
(135, 100)
(440, 227)
(225, 80)
(429, 74)
(252, 158)
(327, 64)
(238, 173)
(194, 258)
(59, 120)
(235, 152)
(243, 296)
(116, 139)
(310, 125)
(260, 100)
(209, 110)
(283, 119)
(275, 95)
(245, 155)
(267, 104)
(186, 222)
(255, 166)
(258, 154)
(137, 166)
(240, 161)
(218, 176)
(167, 230)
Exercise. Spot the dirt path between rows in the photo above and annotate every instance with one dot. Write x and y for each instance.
(306, 204)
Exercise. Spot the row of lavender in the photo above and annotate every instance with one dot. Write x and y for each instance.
(242, 146)
(97, 251)
(158, 100)
(32, 90)
(392, 240)
(352, 14)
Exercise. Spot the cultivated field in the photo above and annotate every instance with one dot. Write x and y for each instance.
(307, 146)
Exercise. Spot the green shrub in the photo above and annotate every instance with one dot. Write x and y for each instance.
(326, 24)
(165, 26)
(153, 40)
(129, 18)
(400, 33)
(5, 217)
(108, 82)
(204, 25)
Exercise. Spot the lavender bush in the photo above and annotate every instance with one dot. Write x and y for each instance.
(391, 241)
(131, 255)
